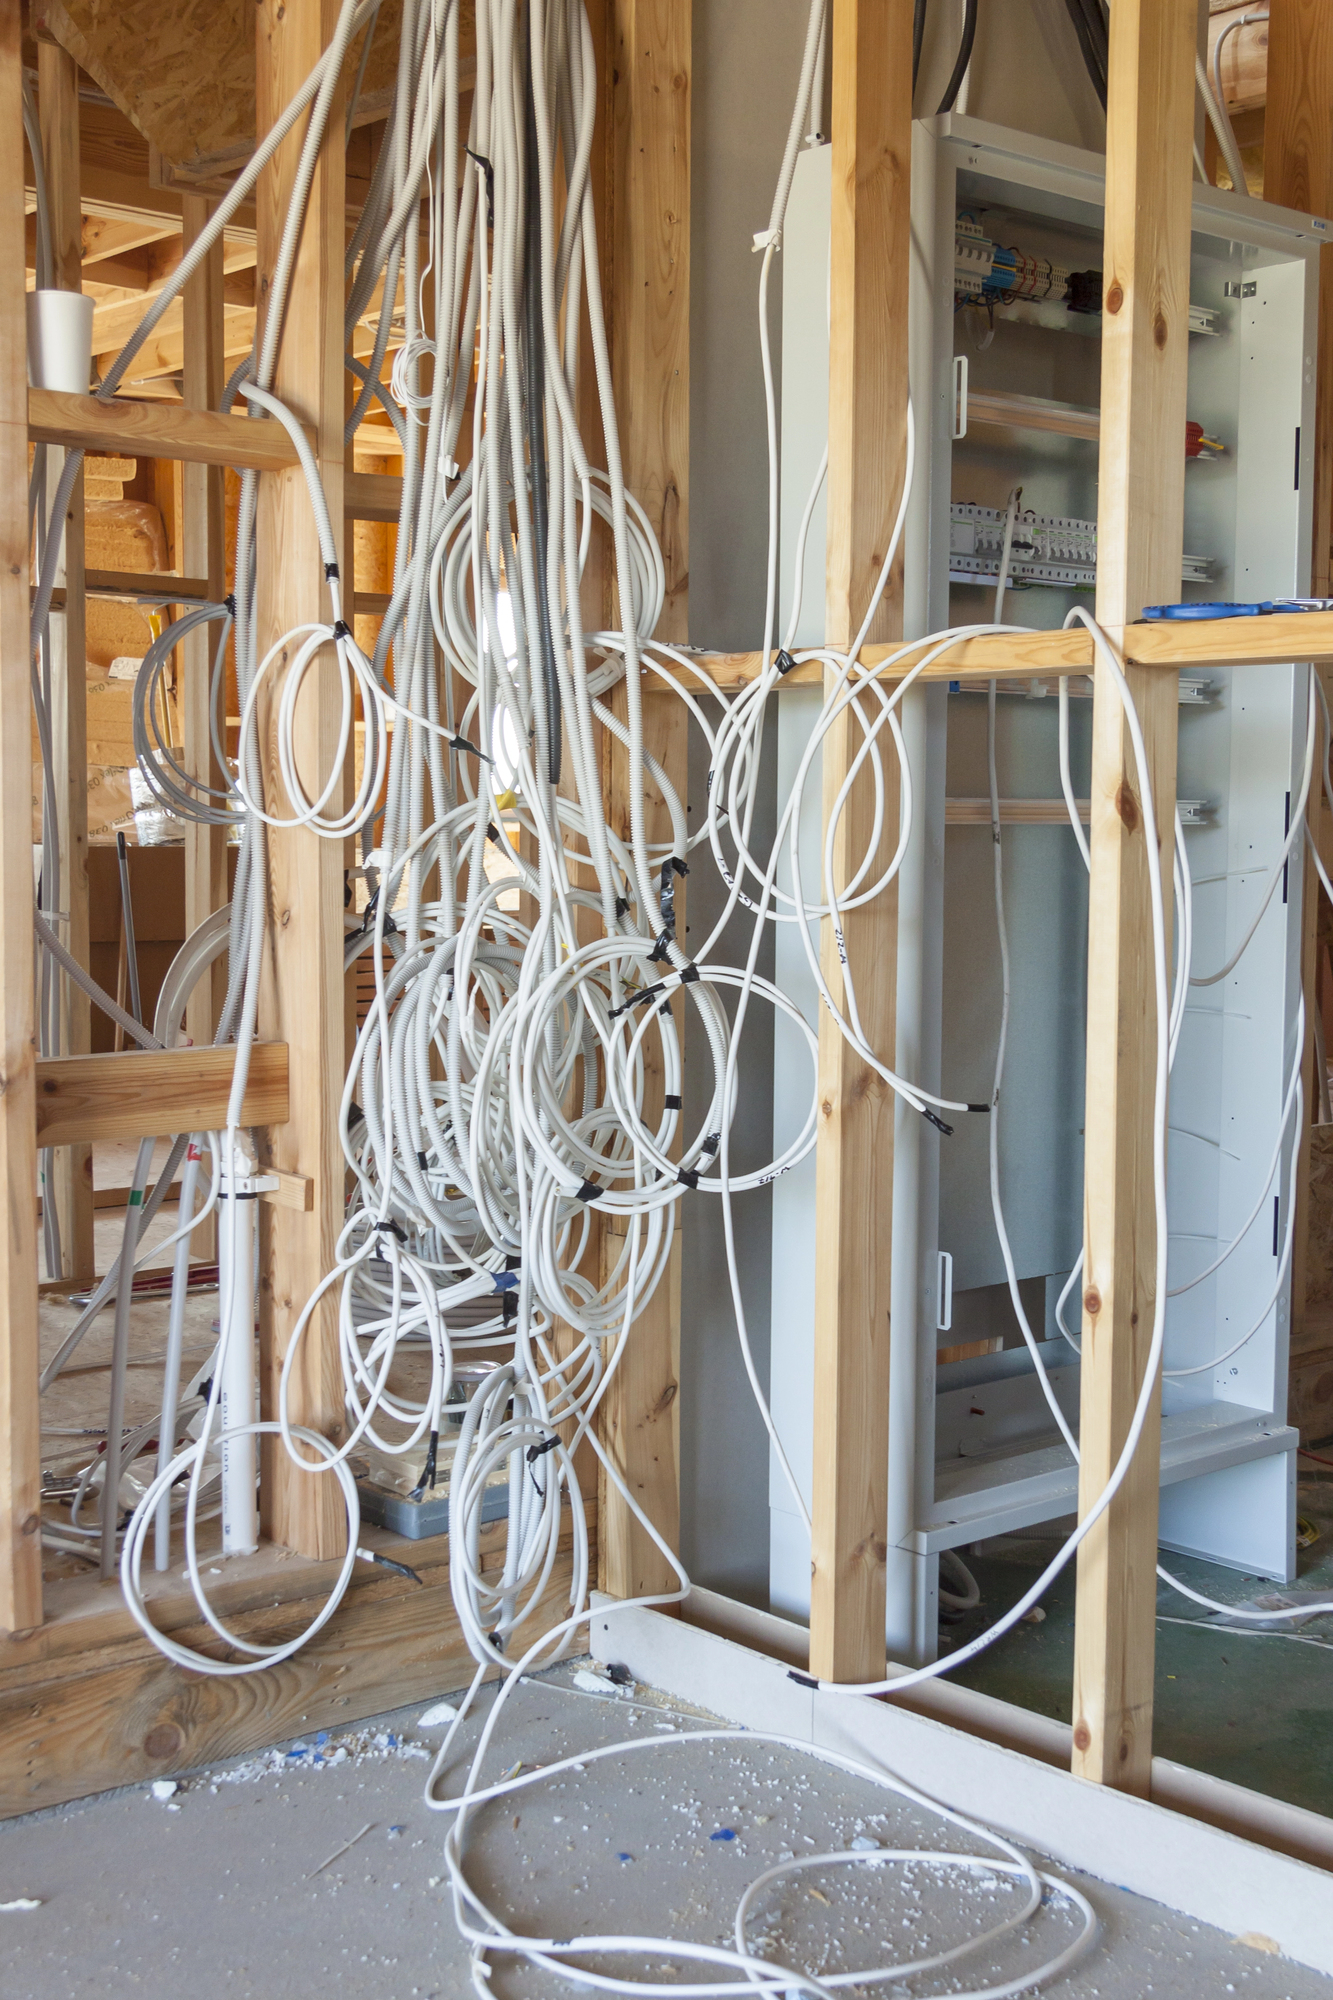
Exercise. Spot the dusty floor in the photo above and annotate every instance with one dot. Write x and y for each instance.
(237, 1887)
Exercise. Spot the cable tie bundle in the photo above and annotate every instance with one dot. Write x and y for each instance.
(588, 1191)
(784, 661)
(673, 1103)
(687, 1177)
(341, 629)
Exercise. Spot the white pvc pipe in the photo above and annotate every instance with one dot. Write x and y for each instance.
(171, 1375)
(236, 1358)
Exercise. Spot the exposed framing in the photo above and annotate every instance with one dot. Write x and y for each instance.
(1143, 380)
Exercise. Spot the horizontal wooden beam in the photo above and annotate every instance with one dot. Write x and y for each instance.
(137, 586)
(1177, 644)
(143, 1093)
(372, 496)
(157, 430)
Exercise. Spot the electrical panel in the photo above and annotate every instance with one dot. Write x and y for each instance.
(1005, 353)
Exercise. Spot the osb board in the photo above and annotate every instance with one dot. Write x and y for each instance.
(94, 1705)
(1319, 1256)
(184, 70)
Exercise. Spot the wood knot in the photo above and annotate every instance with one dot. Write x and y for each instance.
(1115, 297)
(1082, 1737)
(1092, 1301)
(1128, 807)
(165, 1741)
(32, 1522)
(1159, 330)
(665, 1400)
(826, 1109)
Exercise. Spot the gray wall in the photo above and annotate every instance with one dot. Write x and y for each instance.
(747, 57)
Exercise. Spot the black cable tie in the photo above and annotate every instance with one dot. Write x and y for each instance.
(711, 1143)
(229, 604)
(513, 1263)
(689, 973)
(665, 1007)
(508, 1308)
(687, 1177)
(421, 1161)
(428, 1469)
(622, 906)
(588, 1191)
(399, 1569)
(489, 172)
(461, 743)
(331, 572)
(645, 993)
(341, 629)
(662, 947)
(672, 1103)
(978, 1107)
(802, 1680)
(938, 1123)
(784, 661)
(492, 831)
(497, 1640)
(536, 1451)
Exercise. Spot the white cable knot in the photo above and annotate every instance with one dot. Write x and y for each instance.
(763, 237)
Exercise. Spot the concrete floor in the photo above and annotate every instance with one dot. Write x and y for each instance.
(1255, 1710)
(220, 1891)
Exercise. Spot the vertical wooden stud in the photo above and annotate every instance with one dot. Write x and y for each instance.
(870, 250)
(58, 107)
(1139, 533)
(303, 1003)
(20, 1436)
(650, 351)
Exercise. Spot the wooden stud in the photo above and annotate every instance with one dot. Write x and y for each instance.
(20, 1438)
(650, 347)
(870, 250)
(302, 1003)
(58, 103)
(1139, 533)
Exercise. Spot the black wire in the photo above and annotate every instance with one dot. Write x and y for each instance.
(964, 57)
(918, 31)
(1091, 44)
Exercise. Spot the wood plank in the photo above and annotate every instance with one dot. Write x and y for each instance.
(1139, 532)
(87, 1703)
(650, 352)
(372, 496)
(157, 430)
(20, 1440)
(302, 1001)
(146, 586)
(140, 1093)
(203, 552)
(58, 93)
(870, 249)
(1032, 413)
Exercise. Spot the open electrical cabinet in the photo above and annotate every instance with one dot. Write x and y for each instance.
(1006, 288)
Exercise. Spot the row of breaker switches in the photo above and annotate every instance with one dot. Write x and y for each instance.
(1046, 548)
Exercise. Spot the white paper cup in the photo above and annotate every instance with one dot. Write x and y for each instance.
(60, 341)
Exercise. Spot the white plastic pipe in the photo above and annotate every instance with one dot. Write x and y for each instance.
(236, 1355)
(60, 341)
(171, 1375)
